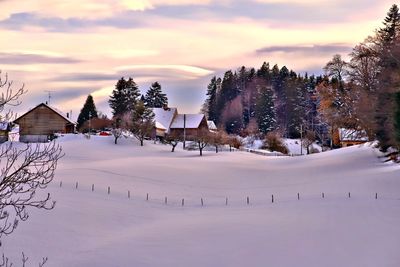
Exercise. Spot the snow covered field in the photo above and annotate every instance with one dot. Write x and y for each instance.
(99, 229)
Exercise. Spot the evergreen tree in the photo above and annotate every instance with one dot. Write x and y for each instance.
(397, 120)
(389, 57)
(227, 93)
(211, 101)
(154, 97)
(142, 122)
(88, 111)
(265, 110)
(124, 97)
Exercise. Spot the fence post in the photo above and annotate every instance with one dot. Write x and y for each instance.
(298, 196)
(376, 195)
(272, 199)
(323, 195)
(129, 194)
(109, 190)
(248, 201)
(76, 186)
(202, 203)
(349, 195)
(92, 187)
(183, 202)
(60, 183)
(226, 201)
(147, 197)
(166, 200)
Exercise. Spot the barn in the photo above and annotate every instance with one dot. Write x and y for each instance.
(187, 126)
(41, 122)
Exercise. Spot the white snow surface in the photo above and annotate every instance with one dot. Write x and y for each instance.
(192, 121)
(98, 229)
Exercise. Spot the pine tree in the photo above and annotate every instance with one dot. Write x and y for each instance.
(397, 120)
(265, 110)
(154, 97)
(388, 41)
(88, 111)
(211, 101)
(142, 122)
(124, 97)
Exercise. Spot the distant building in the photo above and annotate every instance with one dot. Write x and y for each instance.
(188, 125)
(212, 126)
(5, 128)
(169, 121)
(41, 122)
(163, 120)
(351, 137)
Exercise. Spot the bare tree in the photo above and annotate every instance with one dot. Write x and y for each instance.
(173, 139)
(337, 68)
(233, 141)
(24, 171)
(9, 96)
(120, 125)
(308, 140)
(217, 139)
(202, 139)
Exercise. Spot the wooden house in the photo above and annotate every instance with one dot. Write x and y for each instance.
(351, 137)
(41, 122)
(163, 120)
(188, 125)
(169, 121)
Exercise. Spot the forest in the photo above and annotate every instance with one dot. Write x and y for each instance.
(361, 94)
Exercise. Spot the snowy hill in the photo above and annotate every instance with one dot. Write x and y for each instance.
(99, 229)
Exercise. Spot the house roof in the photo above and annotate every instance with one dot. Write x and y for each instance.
(164, 117)
(61, 114)
(211, 125)
(160, 126)
(192, 121)
(352, 135)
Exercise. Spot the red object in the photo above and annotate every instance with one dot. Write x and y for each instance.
(104, 134)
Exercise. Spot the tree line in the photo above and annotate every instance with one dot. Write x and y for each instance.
(263, 100)
(364, 92)
(361, 94)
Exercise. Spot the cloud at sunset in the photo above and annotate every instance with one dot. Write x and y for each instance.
(75, 48)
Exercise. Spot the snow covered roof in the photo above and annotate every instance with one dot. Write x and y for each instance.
(212, 126)
(352, 135)
(164, 117)
(160, 126)
(192, 121)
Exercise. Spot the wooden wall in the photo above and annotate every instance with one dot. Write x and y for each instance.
(42, 121)
(191, 133)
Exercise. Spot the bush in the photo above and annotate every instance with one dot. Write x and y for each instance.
(273, 142)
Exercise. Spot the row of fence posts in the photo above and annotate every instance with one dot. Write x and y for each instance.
(201, 199)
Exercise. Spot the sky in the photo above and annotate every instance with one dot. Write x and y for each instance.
(78, 47)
